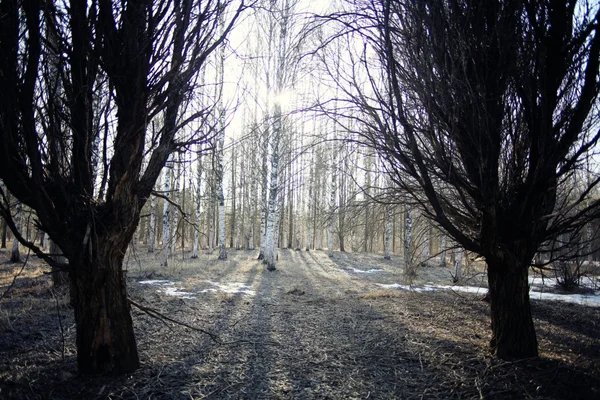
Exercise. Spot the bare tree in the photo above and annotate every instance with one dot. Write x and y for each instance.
(481, 111)
(144, 55)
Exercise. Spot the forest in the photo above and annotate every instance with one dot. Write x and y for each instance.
(271, 199)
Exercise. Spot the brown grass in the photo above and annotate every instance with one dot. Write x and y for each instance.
(316, 328)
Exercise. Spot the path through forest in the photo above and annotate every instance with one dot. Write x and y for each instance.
(318, 327)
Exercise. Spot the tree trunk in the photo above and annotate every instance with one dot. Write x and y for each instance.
(408, 236)
(152, 226)
(458, 266)
(167, 174)
(15, 254)
(513, 333)
(175, 196)
(388, 233)
(59, 278)
(443, 250)
(198, 202)
(105, 337)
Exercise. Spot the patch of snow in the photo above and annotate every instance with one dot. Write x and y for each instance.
(156, 282)
(208, 291)
(369, 271)
(394, 286)
(173, 291)
(590, 282)
(592, 300)
(542, 281)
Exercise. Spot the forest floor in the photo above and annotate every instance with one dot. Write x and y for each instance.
(317, 328)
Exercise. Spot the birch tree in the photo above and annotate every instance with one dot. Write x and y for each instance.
(175, 197)
(152, 224)
(197, 201)
(166, 222)
(15, 254)
(332, 198)
(389, 225)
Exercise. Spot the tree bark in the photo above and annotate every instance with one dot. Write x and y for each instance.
(59, 278)
(152, 226)
(15, 254)
(513, 332)
(166, 225)
(443, 250)
(388, 233)
(198, 202)
(105, 337)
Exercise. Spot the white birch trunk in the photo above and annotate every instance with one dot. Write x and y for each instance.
(408, 238)
(273, 189)
(388, 233)
(426, 242)
(167, 172)
(311, 180)
(332, 198)
(220, 150)
(253, 206)
(443, 250)
(264, 198)
(152, 226)
(458, 266)
(209, 207)
(175, 212)
(198, 202)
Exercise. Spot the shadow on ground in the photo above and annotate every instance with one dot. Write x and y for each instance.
(311, 331)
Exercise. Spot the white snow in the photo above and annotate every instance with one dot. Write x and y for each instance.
(540, 281)
(155, 282)
(369, 271)
(173, 291)
(590, 282)
(592, 300)
(233, 288)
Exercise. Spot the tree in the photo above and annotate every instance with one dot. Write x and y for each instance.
(166, 249)
(143, 56)
(481, 111)
(15, 254)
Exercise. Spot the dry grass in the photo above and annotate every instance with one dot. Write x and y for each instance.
(318, 327)
(381, 294)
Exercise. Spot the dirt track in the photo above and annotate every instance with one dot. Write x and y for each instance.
(315, 328)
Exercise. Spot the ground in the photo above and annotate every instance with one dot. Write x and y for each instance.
(317, 328)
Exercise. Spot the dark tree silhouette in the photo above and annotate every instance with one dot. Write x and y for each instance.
(482, 112)
(81, 81)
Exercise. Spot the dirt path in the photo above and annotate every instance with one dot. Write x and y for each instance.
(318, 327)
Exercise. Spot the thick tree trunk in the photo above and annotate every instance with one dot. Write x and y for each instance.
(105, 337)
(513, 333)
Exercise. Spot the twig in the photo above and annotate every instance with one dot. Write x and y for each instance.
(155, 314)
